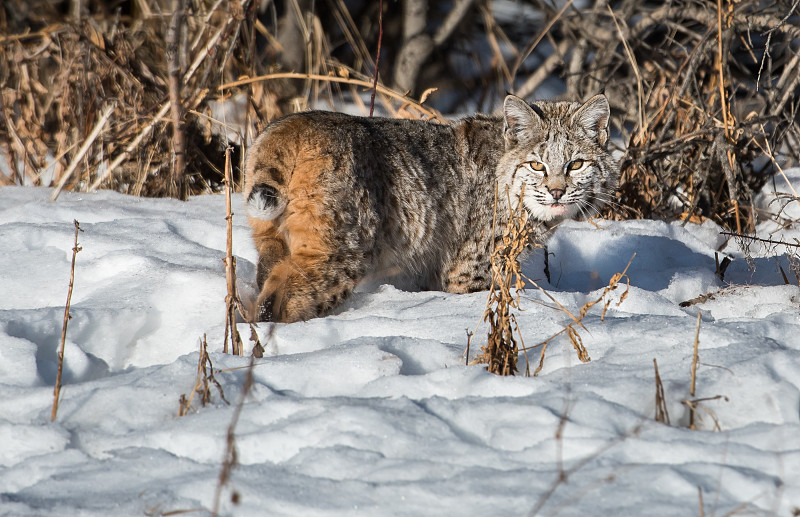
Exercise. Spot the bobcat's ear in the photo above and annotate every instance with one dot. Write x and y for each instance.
(520, 117)
(593, 117)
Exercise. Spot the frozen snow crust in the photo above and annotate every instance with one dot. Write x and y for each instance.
(371, 411)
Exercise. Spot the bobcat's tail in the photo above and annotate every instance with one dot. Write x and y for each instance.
(265, 202)
(265, 179)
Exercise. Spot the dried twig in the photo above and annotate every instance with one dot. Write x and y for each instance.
(424, 110)
(569, 329)
(232, 301)
(695, 358)
(544, 71)
(57, 389)
(205, 374)
(522, 56)
(130, 147)
(712, 100)
(501, 347)
(83, 150)
(231, 459)
(377, 58)
(759, 239)
(662, 415)
(418, 44)
(177, 186)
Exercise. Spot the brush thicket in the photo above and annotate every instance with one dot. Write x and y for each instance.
(716, 86)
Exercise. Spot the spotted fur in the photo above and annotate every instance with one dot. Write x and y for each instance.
(333, 198)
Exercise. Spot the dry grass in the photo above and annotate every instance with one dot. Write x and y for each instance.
(717, 87)
(662, 415)
(772, 247)
(500, 352)
(502, 348)
(258, 349)
(711, 93)
(61, 81)
(232, 301)
(695, 359)
(203, 380)
(693, 404)
(230, 459)
(99, 104)
(572, 329)
(57, 388)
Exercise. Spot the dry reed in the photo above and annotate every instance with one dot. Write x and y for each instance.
(716, 85)
(662, 415)
(695, 359)
(501, 349)
(67, 317)
(203, 380)
(232, 301)
(572, 328)
(230, 459)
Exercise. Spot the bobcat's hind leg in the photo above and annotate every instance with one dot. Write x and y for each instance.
(272, 249)
(301, 287)
(313, 277)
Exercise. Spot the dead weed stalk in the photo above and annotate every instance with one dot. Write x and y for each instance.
(572, 328)
(128, 97)
(500, 352)
(662, 415)
(231, 458)
(694, 403)
(203, 380)
(232, 301)
(67, 317)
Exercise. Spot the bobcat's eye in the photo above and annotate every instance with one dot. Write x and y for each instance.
(537, 166)
(574, 165)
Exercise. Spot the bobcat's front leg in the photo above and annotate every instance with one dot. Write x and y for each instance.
(471, 269)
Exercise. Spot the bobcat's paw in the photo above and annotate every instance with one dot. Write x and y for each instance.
(265, 310)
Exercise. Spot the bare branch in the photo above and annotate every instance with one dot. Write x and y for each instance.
(418, 45)
(177, 187)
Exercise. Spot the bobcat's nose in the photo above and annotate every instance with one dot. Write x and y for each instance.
(556, 193)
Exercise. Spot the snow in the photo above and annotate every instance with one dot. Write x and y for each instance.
(372, 410)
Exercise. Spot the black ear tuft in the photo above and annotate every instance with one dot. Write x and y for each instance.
(538, 110)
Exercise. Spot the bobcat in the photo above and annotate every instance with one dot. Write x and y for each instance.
(332, 197)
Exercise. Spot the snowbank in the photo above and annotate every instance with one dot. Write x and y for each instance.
(371, 410)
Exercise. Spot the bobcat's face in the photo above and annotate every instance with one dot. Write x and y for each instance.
(556, 157)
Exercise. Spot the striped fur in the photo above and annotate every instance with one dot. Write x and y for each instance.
(333, 198)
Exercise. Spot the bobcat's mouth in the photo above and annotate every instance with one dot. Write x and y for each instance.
(557, 208)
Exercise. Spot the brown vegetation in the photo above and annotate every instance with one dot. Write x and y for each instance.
(203, 379)
(67, 317)
(501, 350)
(704, 94)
